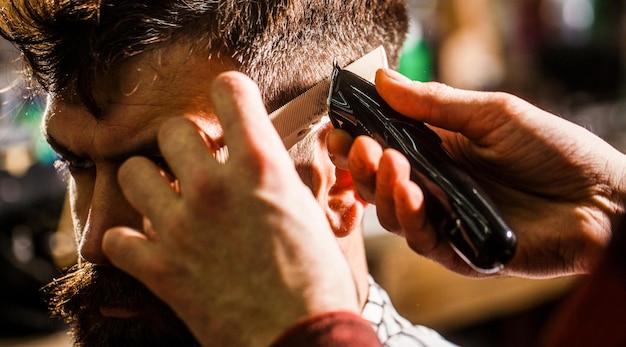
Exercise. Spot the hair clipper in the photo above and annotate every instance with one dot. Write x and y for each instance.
(455, 204)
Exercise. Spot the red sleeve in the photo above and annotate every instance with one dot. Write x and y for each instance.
(332, 329)
(594, 315)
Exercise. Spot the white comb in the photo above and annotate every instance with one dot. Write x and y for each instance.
(305, 113)
(309, 111)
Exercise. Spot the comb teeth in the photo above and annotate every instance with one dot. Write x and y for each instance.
(221, 155)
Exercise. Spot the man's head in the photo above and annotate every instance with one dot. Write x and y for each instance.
(284, 46)
(114, 71)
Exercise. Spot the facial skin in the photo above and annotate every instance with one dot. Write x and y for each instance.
(93, 149)
(101, 302)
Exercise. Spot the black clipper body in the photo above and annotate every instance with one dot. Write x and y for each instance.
(455, 204)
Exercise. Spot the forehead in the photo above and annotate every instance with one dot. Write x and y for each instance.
(144, 92)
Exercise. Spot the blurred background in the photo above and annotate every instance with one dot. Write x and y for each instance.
(34, 243)
(566, 56)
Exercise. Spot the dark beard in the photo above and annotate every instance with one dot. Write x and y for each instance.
(77, 297)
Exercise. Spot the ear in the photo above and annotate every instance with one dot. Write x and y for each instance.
(344, 208)
(337, 194)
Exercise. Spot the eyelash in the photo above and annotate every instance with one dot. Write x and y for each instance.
(66, 167)
(62, 168)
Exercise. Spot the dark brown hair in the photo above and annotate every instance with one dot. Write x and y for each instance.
(286, 46)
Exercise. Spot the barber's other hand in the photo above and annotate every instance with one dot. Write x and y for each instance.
(557, 185)
(240, 250)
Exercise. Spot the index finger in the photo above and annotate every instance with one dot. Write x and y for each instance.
(240, 109)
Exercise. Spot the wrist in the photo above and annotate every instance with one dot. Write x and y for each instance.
(606, 205)
(613, 209)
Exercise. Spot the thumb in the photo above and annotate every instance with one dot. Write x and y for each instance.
(440, 105)
(128, 250)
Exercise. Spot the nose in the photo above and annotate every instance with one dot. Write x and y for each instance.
(107, 207)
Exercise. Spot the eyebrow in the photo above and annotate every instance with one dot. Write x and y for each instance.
(148, 149)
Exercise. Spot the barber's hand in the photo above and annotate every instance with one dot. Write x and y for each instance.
(240, 250)
(558, 186)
